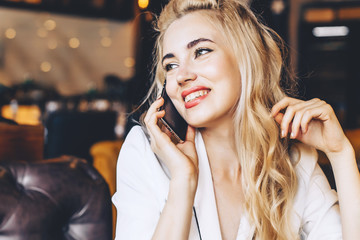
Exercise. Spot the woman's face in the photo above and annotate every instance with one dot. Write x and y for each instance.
(202, 75)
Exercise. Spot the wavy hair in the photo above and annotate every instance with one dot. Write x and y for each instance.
(268, 175)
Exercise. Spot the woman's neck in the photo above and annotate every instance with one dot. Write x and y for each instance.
(221, 151)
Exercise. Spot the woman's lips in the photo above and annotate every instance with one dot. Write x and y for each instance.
(195, 102)
(193, 96)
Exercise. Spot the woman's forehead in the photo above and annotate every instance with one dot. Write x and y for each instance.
(188, 28)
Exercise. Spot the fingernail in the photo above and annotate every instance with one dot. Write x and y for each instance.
(282, 133)
(292, 135)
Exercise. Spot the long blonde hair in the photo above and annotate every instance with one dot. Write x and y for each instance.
(268, 176)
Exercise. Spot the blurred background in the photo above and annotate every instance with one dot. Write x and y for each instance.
(95, 55)
(78, 67)
(72, 70)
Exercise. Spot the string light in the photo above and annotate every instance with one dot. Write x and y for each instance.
(10, 33)
(143, 4)
(45, 66)
(74, 42)
(129, 62)
(50, 24)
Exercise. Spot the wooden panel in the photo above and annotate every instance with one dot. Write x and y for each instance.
(315, 15)
(351, 13)
(21, 142)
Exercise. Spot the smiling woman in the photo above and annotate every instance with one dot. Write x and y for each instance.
(201, 67)
(239, 174)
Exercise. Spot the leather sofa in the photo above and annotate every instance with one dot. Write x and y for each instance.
(57, 199)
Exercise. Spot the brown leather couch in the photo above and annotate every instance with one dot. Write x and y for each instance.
(58, 199)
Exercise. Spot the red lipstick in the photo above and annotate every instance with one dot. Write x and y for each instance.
(197, 100)
(192, 89)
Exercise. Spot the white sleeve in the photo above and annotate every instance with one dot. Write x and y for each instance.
(137, 207)
(320, 217)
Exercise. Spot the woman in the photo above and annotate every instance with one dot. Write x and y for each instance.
(236, 175)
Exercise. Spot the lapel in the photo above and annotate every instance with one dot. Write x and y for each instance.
(205, 203)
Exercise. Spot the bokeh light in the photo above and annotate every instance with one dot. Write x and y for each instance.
(10, 33)
(129, 62)
(50, 24)
(45, 66)
(74, 42)
(143, 4)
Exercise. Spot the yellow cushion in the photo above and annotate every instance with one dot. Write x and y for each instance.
(105, 156)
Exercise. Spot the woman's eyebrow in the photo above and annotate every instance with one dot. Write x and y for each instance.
(169, 55)
(188, 46)
(197, 41)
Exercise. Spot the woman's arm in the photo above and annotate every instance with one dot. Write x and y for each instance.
(182, 162)
(175, 219)
(314, 123)
(348, 187)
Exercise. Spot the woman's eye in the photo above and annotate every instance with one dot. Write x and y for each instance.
(202, 51)
(169, 66)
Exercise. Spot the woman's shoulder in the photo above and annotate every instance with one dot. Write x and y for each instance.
(136, 146)
(136, 152)
(139, 175)
(136, 133)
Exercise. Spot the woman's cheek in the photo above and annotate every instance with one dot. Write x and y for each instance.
(171, 89)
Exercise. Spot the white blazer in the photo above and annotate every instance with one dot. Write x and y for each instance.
(143, 183)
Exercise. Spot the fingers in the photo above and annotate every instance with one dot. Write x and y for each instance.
(305, 116)
(151, 120)
(190, 134)
(307, 109)
(160, 136)
(282, 104)
(181, 159)
(298, 114)
(285, 119)
(153, 109)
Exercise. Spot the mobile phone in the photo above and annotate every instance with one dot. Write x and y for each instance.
(172, 123)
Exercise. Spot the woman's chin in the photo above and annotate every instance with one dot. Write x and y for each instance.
(196, 123)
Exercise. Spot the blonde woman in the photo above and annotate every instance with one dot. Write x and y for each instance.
(247, 169)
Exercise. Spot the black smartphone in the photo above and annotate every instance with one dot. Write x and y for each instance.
(172, 123)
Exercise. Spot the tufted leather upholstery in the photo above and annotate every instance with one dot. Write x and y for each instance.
(63, 198)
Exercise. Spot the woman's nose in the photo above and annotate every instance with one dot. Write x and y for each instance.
(185, 74)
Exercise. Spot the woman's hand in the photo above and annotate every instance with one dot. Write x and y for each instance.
(181, 159)
(312, 122)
